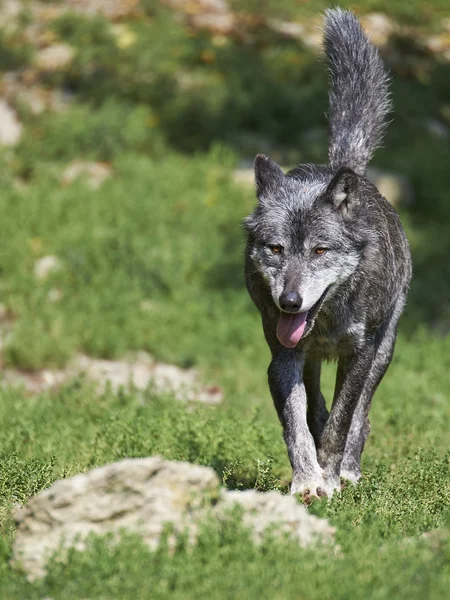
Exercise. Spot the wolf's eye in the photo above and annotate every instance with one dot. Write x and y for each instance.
(320, 251)
(276, 249)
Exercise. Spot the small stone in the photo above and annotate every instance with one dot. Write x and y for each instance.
(199, 6)
(54, 58)
(54, 295)
(210, 395)
(45, 266)
(218, 24)
(313, 39)
(379, 27)
(146, 305)
(10, 126)
(213, 15)
(287, 29)
(94, 173)
(10, 11)
(113, 10)
(22, 89)
(438, 44)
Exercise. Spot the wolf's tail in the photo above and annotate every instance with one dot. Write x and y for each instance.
(359, 95)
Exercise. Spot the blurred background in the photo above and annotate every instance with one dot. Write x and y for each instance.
(127, 134)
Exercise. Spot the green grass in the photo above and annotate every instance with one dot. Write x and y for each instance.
(165, 232)
(405, 492)
(153, 260)
(225, 564)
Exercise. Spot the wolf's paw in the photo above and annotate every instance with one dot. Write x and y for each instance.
(308, 488)
(331, 485)
(349, 476)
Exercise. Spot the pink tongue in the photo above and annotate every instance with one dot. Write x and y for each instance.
(290, 328)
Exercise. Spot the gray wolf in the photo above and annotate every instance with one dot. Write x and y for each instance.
(328, 266)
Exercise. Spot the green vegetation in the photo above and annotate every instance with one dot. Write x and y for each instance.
(405, 492)
(152, 260)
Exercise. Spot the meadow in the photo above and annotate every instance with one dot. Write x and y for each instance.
(152, 260)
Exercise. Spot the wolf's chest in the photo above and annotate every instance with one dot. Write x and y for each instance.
(323, 347)
(331, 339)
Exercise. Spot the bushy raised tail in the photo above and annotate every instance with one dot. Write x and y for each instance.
(359, 95)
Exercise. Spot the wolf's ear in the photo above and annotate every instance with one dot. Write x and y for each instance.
(343, 192)
(268, 174)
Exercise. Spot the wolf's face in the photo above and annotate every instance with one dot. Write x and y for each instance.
(302, 242)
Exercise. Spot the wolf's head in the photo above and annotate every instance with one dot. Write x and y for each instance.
(305, 238)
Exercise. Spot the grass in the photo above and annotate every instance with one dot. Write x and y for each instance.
(152, 260)
(225, 564)
(379, 524)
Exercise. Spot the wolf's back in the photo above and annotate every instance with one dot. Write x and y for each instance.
(359, 96)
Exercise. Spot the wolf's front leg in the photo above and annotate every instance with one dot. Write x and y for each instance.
(289, 396)
(353, 372)
(360, 427)
(317, 410)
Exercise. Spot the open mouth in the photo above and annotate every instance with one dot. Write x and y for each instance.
(293, 326)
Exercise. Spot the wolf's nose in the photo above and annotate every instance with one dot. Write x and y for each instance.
(290, 301)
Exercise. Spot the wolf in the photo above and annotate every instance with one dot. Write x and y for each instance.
(328, 266)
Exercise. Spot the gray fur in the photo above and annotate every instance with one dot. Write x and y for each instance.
(353, 293)
(359, 98)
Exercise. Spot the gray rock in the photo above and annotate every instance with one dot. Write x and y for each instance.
(211, 6)
(313, 39)
(94, 173)
(111, 9)
(17, 90)
(439, 45)
(288, 29)
(10, 126)
(54, 58)
(141, 496)
(141, 372)
(379, 27)
(271, 511)
(45, 266)
(54, 295)
(10, 11)
(217, 23)
(138, 371)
